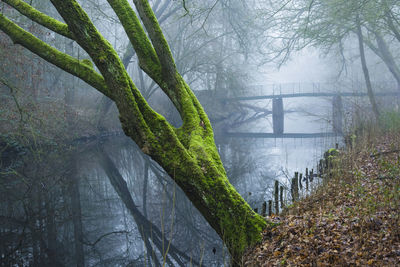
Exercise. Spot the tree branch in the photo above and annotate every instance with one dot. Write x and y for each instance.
(102, 236)
(52, 55)
(40, 18)
(138, 119)
(148, 59)
(157, 38)
(392, 27)
(12, 91)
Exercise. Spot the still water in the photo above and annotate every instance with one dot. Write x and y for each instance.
(166, 227)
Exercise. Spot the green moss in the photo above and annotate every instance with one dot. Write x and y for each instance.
(219, 202)
(333, 152)
(87, 62)
(39, 17)
(148, 59)
(227, 212)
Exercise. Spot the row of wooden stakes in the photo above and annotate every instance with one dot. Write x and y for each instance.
(298, 182)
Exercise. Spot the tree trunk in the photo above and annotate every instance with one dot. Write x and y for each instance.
(33, 215)
(51, 249)
(388, 58)
(365, 71)
(106, 103)
(76, 214)
(383, 52)
(145, 182)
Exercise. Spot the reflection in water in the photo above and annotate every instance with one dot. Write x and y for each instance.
(144, 215)
(102, 203)
(160, 224)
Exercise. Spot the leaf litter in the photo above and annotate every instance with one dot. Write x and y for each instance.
(353, 219)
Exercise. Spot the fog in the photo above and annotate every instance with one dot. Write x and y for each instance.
(75, 191)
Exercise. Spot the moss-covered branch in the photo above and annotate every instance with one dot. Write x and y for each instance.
(52, 55)
(148, 59)
(40, 18)
(157, 38)
(137, 117)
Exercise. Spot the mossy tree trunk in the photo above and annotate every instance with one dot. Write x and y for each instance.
(188, 154)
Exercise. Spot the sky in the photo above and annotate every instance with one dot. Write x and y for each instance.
(305, 67)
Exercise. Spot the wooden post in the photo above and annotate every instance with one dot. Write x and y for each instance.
(281, 196)
(264, 209)
(312, 175)
(276, 197)
(321, 167)
(269, 207)
(337, 114)
(300, 184)
(277, 115)
(296, 186)
(307, 179)
(292, 189)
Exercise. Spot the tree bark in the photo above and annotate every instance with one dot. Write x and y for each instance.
(365, 70)
(76, 213)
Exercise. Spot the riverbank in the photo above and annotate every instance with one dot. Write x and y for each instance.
(351, 220)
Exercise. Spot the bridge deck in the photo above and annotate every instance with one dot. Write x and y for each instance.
(284, 135)
(318, 94)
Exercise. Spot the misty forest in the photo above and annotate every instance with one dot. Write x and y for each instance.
(199, 133)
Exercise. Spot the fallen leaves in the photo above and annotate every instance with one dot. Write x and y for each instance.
(353, 220)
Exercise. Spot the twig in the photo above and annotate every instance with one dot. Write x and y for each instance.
(384, 153)
(12, 89)
(105, 235)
